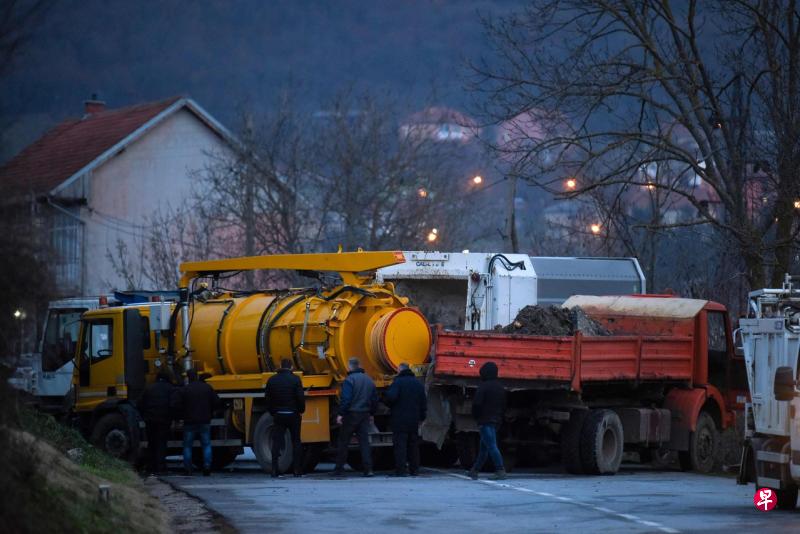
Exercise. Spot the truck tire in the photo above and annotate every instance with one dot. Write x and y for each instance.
(571, 442)
(703, 445)
(601, 443)
(787, 498)
(262, 446)
(112, 434)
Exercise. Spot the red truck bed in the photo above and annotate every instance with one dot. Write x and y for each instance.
(574, 360)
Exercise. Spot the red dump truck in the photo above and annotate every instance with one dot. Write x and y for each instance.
(665, 378)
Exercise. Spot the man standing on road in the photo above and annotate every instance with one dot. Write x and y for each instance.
(357, 405)
(196, 401)
(488, 408)
(154, 405)
(406, 397)
(286, 403)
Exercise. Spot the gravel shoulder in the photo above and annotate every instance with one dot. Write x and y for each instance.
(186, 513)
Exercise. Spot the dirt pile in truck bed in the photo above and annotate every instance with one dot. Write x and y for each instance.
(554, 321)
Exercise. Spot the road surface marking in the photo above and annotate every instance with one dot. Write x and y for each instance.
(602, 509)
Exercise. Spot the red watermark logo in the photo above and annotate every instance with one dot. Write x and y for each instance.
(765, 499)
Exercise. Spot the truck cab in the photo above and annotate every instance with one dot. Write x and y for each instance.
(110, 375)
(47, 373)
(771, 343)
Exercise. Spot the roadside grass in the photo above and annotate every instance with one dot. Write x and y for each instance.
(45, 491)
(65, 438)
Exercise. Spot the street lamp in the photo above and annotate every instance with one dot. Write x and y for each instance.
(422, 192)
(432, 237)
(20, 315)
(477, 180)
(571, 183)
(595, 228)
(797, 204)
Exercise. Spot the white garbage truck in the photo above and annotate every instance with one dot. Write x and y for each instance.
(480, 290)
(771, 343)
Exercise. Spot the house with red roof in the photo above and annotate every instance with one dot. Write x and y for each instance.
(440, 124)
(96, 180)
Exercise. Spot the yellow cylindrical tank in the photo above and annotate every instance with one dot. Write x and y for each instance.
(317, 330)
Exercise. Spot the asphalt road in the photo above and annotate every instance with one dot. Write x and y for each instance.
(635, 500)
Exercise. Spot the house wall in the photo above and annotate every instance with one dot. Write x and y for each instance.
(154, 173)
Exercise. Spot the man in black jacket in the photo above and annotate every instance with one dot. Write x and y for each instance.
(406, 397)
(154, 406)
(488, 408)
(196, 401)
(357, 404)
(286, 402)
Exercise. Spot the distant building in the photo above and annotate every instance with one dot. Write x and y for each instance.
(94, 181)
(440, 124)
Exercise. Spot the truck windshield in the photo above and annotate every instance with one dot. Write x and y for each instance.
(60, 336)
(717, 349)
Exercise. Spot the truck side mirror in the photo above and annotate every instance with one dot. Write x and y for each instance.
(784, 384)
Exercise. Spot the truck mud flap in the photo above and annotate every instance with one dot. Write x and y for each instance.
(436, 425)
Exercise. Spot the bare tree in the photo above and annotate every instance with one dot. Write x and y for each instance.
(25, 271)
(708, 91)
(345, 176)
(295, 182)
(169, 236)
(383, 188)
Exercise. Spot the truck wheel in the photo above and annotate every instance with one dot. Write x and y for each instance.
(601, 443)
(571, 442)
(787, 498)
(467, 448)
(262, 446)
(703, 445)
(112, 434)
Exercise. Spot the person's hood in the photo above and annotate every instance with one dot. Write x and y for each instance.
(359, 370)
(406, 372)
(282, 370)
(488, 371)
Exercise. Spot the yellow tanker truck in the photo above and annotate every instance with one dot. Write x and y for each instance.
(238, 338)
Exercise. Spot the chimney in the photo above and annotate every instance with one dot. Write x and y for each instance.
(93, 105)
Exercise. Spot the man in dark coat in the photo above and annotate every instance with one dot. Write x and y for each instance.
(286, 402)
(154, 406)
(488, 408)
(196, 402)
(406, 397)
(357, 405)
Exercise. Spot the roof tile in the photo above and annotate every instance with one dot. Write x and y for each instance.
(70, 146)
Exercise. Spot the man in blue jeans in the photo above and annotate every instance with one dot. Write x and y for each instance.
(196, 401)
(488, 408)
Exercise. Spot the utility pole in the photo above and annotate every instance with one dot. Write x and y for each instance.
(511, 215)
(248, 211)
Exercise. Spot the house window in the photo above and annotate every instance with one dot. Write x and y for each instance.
(66, 236)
